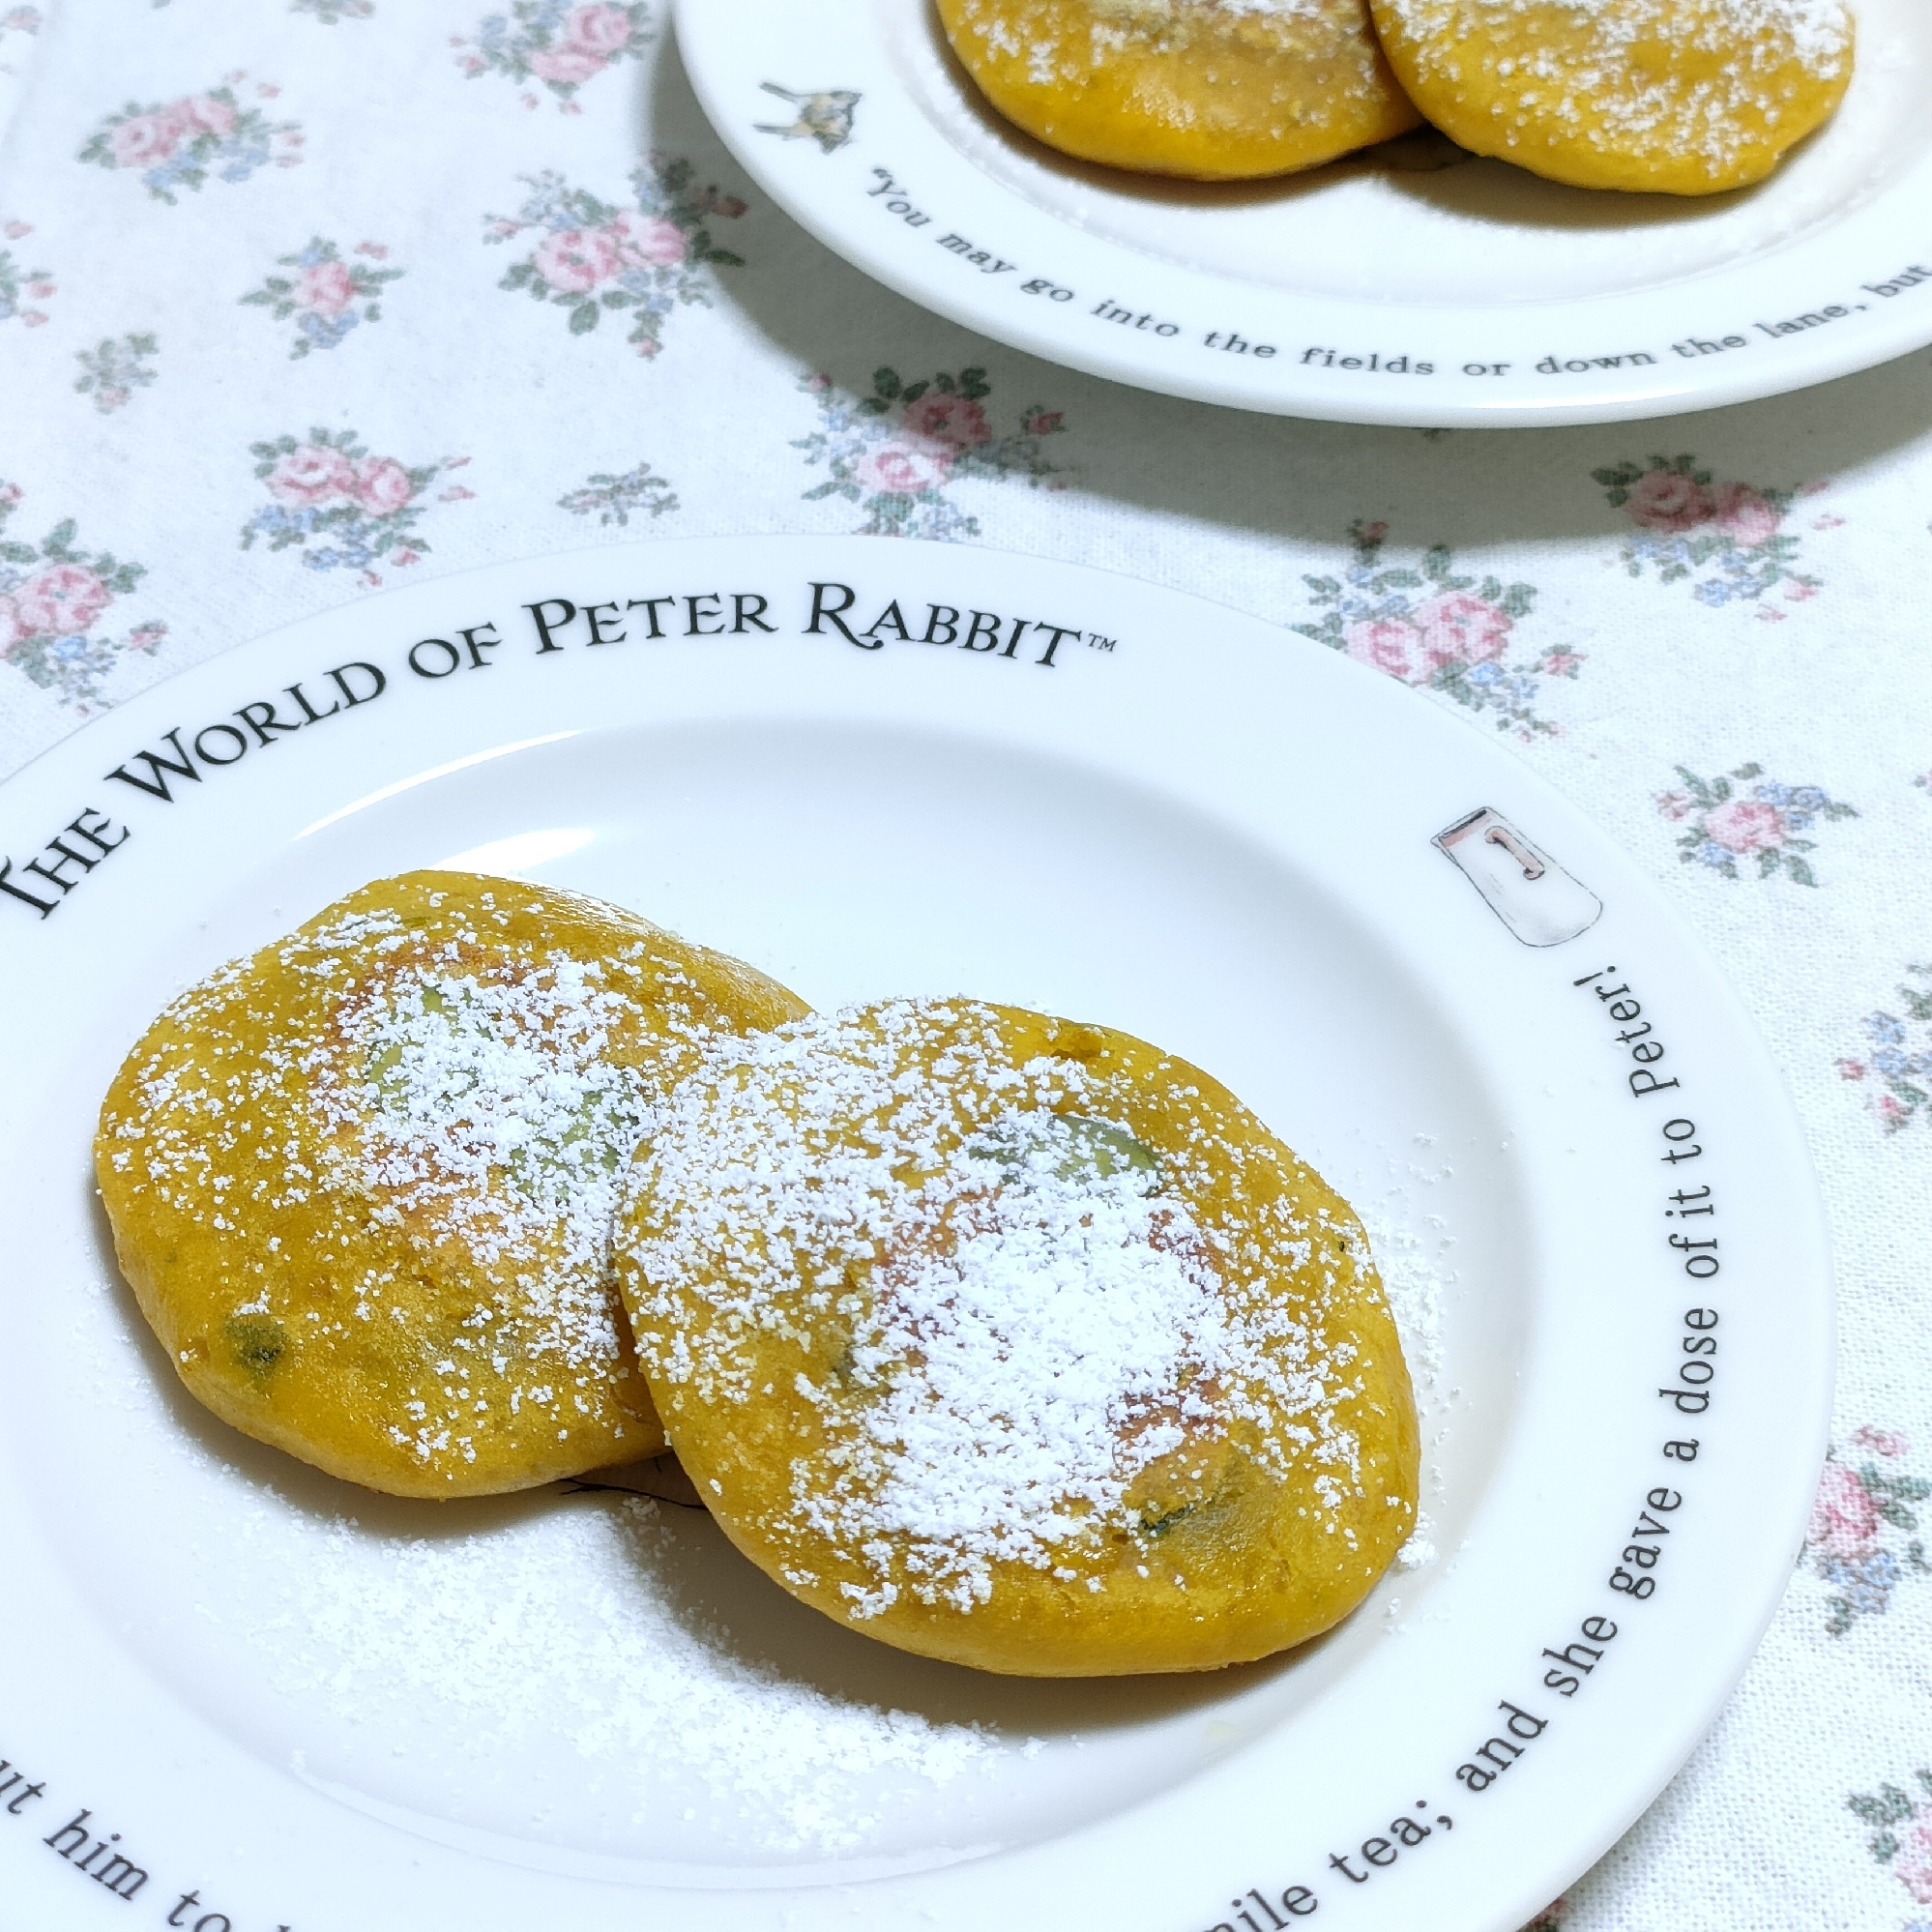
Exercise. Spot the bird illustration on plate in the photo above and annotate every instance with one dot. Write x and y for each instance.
(824, 117)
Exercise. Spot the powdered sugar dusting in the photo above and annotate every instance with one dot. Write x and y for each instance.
(490, 1106)
(1819, 29)
(1035, 1361)
(448, 1089)
(1415, 1254)
(570, 1626)
(1282, 10)
(1589, 71)
(391, 1148)
(1085, 36)
(1165, 11)
(1414, 1275)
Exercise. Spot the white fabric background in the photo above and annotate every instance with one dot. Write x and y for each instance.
(400, 147)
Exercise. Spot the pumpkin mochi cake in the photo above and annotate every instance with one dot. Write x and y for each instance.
(363, 1183)
(1213, 89)
(1017, 1343)
(1675, 97)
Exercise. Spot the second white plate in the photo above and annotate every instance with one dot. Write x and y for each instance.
(1473, 295)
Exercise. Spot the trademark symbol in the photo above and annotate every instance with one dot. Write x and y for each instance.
(1096, 642)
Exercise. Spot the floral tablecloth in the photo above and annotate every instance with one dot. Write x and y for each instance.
(303, 298)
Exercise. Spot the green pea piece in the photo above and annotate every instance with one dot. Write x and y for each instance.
(1080, 1147)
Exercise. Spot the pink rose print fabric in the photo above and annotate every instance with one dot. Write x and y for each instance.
(327, 294)
(1430, 627)
(23, 289)
(1895, 1066)
(1864, 1542)
(595, 258)
(343, 508)
(55, 603)
(561, 46)
(896, 452)
(1744, 819)
(179, 144)
(1732, 541)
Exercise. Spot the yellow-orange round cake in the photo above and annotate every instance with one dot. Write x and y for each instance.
(1216, 90)
(363, 1183)
(1017, 1342)
(1673, 97)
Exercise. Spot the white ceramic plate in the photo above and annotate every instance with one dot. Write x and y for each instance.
(301, 1705)
(1475, 295)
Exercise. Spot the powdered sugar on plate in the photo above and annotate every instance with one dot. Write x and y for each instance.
(572, 1636)
(1412, 1249)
